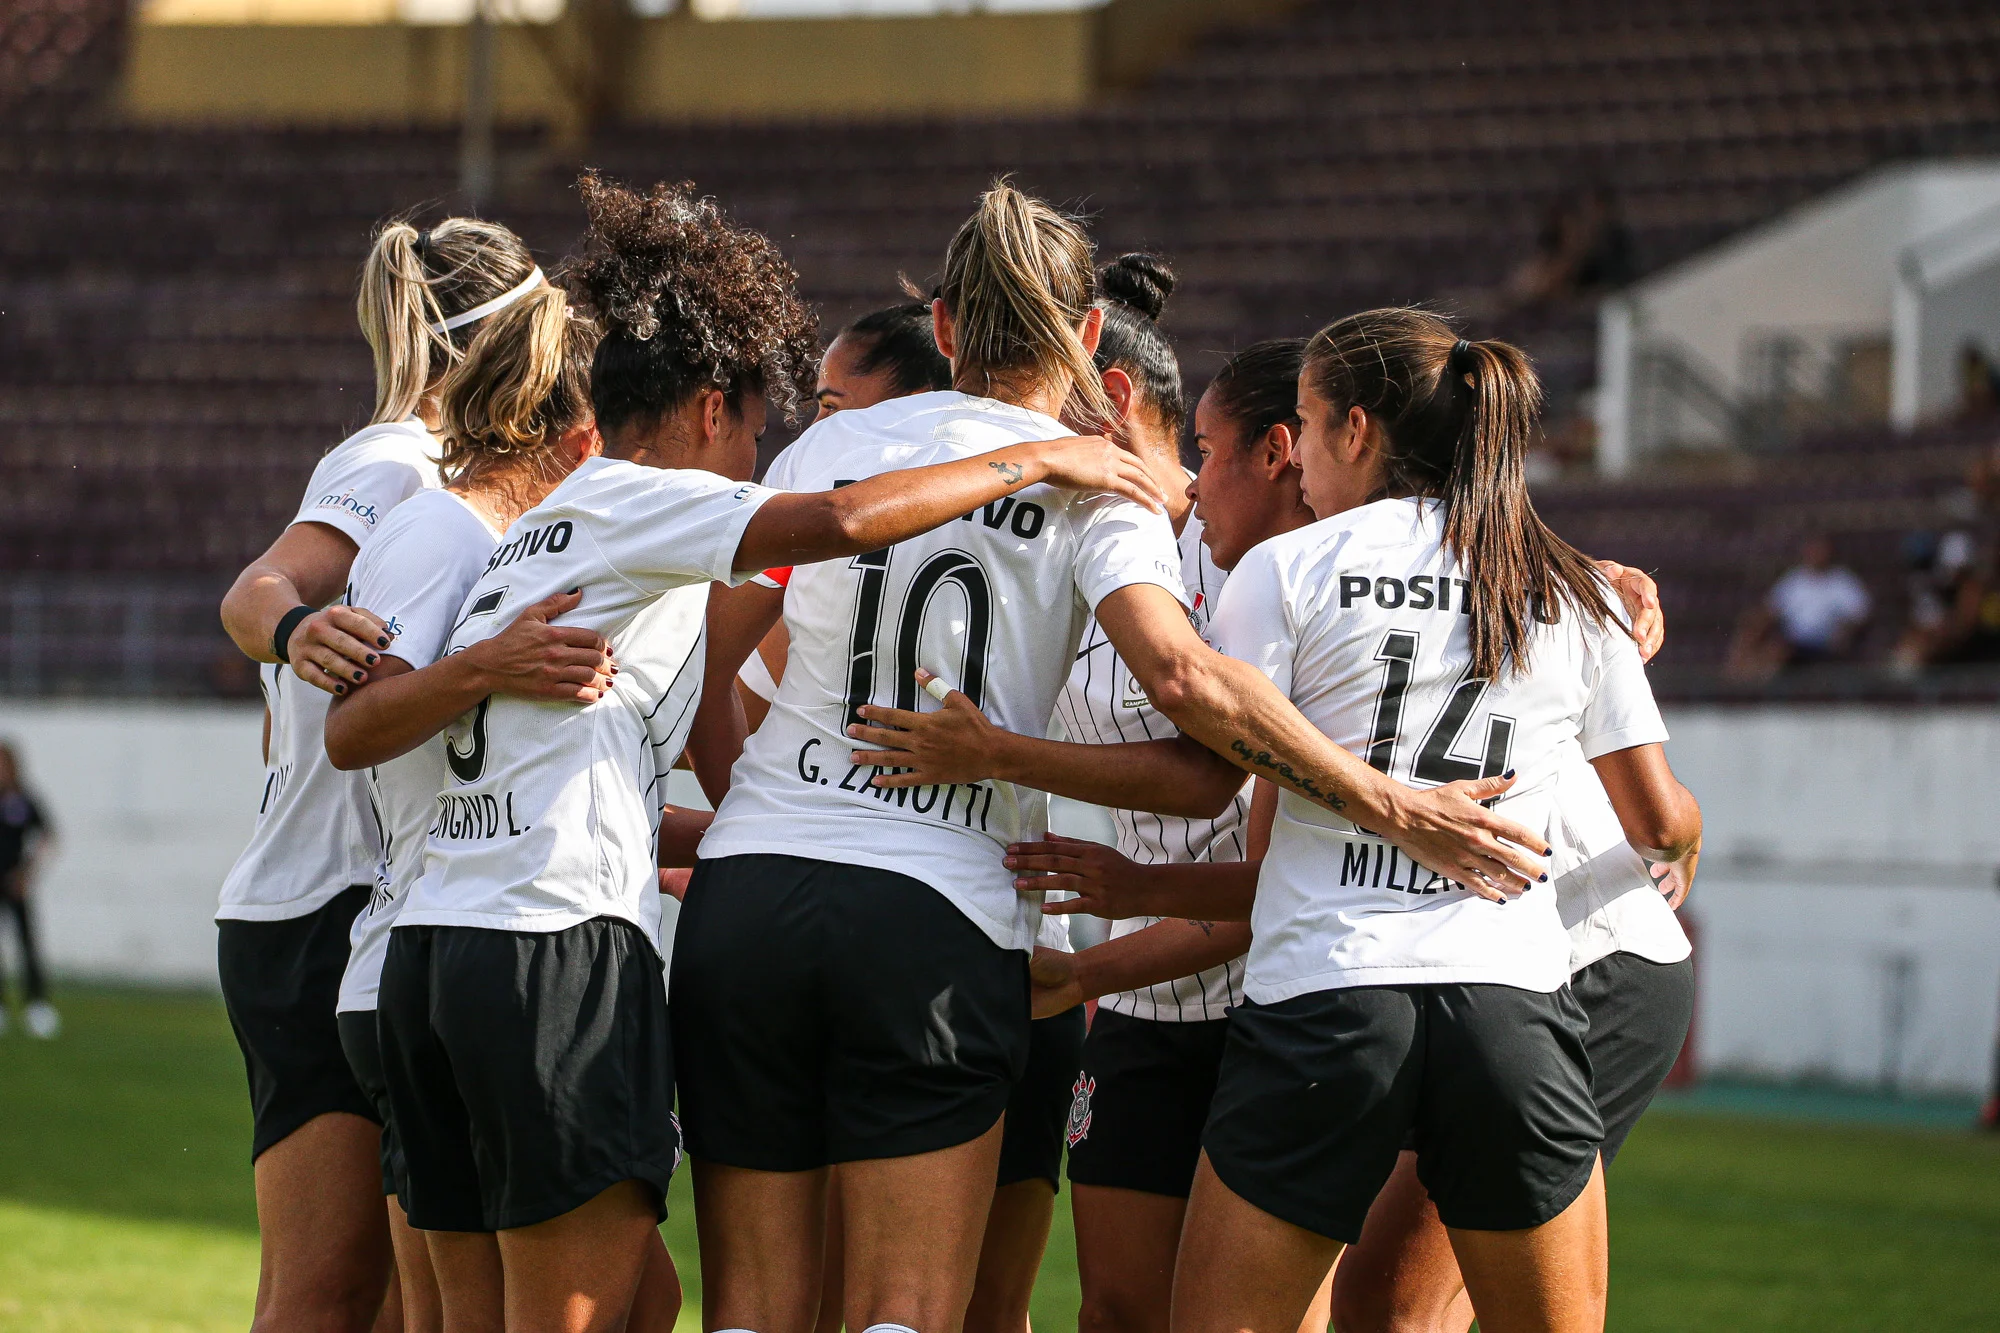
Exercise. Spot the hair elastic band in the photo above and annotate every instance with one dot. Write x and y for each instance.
(494, 306)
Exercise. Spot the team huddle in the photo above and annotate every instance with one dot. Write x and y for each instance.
(1394, 966)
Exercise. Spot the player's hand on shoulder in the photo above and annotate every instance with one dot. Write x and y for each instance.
(1093, 463)
(334, 647)
(534, 659)
(957, 743)
(1641, 598)
(1105, 881)
(1053, 986)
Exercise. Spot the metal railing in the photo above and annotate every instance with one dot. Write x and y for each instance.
(117, 635)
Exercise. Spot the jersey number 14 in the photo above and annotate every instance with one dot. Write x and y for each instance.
(1435, 761)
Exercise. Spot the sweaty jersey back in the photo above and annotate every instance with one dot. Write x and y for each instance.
(994, 602)
(1362, 620)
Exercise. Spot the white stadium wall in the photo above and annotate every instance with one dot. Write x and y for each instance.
(1847, 917)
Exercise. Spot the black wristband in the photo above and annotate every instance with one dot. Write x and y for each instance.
(281, 637)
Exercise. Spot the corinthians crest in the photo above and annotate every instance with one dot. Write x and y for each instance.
(1079, 1109)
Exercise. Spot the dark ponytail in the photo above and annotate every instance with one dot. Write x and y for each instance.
(1133, 292)
(1456, 419)
(1258, 388)
(899, 340)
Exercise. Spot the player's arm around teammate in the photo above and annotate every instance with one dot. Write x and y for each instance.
(286, 907)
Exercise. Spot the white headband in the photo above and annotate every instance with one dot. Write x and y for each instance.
(497, 304)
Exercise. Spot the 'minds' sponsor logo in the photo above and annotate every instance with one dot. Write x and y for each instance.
(345, 500)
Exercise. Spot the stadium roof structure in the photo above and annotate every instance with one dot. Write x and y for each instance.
(1905, 260)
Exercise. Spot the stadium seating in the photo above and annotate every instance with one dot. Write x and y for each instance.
(177, 342)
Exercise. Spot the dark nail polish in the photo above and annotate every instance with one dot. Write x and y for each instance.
(381, 641)
(1545, 877)
(359, 677)
(339, 689)
(1548, 851)
(371, 659)
(1508, 774)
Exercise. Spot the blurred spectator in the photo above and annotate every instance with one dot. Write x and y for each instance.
(25, 834)
(1979, 383)
(1583, 246)
(1954, 593)
(1813, 613)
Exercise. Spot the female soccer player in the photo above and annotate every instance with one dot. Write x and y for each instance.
(287, 905)
(1436, 625)
(850, 976)
(515, 420)
(521, 1010)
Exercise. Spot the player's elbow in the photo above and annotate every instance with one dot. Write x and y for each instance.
(343, 746)
(1176, 686)
(1668, 831)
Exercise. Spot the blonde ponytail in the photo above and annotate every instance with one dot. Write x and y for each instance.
(522, 385)
(411, 283)
(1018, 281)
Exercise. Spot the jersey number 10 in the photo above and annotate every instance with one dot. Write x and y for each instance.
(955, 567)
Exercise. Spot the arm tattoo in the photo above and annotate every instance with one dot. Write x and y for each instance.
(1011, 471)
(1282, 770)
(1205, 927)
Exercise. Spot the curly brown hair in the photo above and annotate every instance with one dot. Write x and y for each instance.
(687, 301)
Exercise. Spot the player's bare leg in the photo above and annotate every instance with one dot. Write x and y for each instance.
(1125, 1246)
(1319, 1314)
(763, 1245)
(389, 1319)
(579, 1272)
(1240, 1269)
(914, 1227)
(1017, 1235)
(832, 1283)
(471, 1290)
(416, 1282)
(1546, 1279)
(325, 1259)
(656, 1306)
(1401, 1276)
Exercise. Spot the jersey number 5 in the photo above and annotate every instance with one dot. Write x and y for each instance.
(954, 567)
(1435, 762)
(467, 765)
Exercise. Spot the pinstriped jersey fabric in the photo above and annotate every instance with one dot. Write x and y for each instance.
(1103, 705)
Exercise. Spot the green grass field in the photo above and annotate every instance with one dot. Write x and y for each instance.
(125, 1201)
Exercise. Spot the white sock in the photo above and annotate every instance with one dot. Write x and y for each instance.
(888, 1328)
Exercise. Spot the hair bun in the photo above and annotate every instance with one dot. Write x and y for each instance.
(1139, 280)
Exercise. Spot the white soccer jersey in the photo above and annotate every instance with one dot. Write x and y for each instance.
(995, 603)
(1103, 705)
(315, 836)
(1361, 620)
(1608, 900)
(414, 575)
(552, 809)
